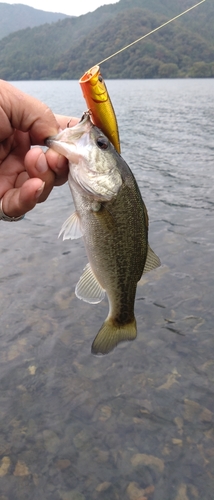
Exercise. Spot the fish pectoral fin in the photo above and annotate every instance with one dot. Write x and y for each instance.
(88, 288)
(71, 229)
(152, 261)
(110, 335)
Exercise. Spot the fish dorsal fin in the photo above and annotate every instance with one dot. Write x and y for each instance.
(152, 261)
(88, 288)
(71, 229)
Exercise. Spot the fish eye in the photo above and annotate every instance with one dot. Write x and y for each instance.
(100, 78)
(102, 142)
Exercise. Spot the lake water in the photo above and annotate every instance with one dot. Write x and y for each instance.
(137, 424)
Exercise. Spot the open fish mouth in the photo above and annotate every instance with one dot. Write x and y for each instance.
(66, 141)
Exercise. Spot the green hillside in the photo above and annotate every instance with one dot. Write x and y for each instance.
(66, 49)
(18, 16)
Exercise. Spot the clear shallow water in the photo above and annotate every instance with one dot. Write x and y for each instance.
(138, 423)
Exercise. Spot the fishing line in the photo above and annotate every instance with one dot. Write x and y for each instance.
(153, 31)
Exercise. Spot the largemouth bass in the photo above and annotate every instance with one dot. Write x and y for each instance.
(112, 219)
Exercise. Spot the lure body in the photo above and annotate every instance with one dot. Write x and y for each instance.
(99, 103)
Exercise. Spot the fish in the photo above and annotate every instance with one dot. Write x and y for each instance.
(99, 104)
(112, 218)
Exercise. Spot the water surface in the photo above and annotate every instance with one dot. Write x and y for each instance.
(138, 423)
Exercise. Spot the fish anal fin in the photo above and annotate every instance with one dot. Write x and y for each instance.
(111, 334)
(88, 288)
(152, 261)
(71, 229)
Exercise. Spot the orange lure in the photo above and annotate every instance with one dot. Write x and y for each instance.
(99, 103)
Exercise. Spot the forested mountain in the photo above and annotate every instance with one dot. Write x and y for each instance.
(66, 49)
(18, 16)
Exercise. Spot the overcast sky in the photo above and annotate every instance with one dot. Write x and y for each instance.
(72, 8)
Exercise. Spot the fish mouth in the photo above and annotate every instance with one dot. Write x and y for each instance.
(65, 142)
(63, 148)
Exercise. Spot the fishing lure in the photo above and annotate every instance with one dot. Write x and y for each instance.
(99, 103)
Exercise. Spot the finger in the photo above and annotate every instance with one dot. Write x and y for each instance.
(28, 114)
(18, 201)
(50, 167)
(24, 112)
(63, 121)
(59, 165)
(37, 167)
(12, 166)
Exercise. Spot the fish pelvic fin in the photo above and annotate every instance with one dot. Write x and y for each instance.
(111, 334)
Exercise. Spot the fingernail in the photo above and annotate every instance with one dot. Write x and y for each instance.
(39, 191)
(41, 164)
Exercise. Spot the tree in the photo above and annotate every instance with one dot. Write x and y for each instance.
(202, 70)
(169, 70)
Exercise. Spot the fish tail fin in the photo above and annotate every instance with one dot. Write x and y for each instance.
(111, 334)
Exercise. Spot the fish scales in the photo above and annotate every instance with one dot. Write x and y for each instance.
(110, 236)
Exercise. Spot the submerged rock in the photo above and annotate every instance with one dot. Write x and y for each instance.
(21, 469)
(142, 459)
(5, 464)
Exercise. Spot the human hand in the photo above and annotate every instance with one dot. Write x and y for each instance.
(27, 175)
